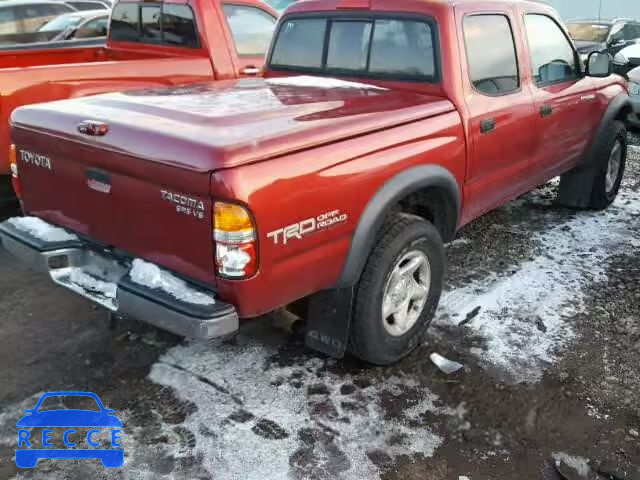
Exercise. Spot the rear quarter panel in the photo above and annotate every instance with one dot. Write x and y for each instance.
(343, 176)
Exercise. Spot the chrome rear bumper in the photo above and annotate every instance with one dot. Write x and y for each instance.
(104, 279)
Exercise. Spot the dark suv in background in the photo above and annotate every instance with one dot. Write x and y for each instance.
(603, 35)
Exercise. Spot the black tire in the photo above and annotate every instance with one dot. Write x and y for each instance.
(368, 339)
(601, 198)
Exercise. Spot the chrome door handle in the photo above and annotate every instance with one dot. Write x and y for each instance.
(250, 71)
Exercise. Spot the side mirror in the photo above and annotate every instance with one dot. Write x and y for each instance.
(599, 65)
(555, 71)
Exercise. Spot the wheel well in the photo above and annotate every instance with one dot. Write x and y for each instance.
(623, 114)
(433, 204)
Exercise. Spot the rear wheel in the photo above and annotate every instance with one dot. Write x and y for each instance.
(399, 291)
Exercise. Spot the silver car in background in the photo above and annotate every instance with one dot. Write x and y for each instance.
(77, 25)
(634, 91)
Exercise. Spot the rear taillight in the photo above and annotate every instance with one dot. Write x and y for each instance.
(235, 235)
(13, 165)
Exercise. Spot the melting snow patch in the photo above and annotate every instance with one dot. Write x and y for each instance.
(41, 229)
(258, 419)
(319, 82)
(544, 291)
(94, 285)
(151, 276)
(579, 465)
(9, 416)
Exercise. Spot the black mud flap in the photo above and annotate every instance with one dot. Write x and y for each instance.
(576, 187)
(328, 321)
(9, 205)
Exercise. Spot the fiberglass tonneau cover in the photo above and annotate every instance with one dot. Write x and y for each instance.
(207, 126)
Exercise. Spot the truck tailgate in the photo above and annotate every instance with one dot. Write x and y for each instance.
(146, 209)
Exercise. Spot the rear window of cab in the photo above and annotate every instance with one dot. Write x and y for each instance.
(154, 23)
(377, 47)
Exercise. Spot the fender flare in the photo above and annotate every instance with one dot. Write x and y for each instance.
(576, 185)
(396, 188)
(618, 104)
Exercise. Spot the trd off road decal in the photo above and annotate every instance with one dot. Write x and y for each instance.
(282, 236)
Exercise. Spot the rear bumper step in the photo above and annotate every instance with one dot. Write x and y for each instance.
(105, 280)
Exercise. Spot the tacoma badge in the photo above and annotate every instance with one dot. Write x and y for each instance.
(184, 204)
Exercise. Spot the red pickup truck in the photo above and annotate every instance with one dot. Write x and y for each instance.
(150, 44)
(330, 185)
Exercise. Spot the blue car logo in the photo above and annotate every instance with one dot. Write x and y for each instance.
(69, 419)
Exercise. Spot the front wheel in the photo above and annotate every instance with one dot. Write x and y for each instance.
(398, 292)
(611, 158)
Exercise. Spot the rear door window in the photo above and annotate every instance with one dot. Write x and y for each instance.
(168, 24)
(375, 47)
(491, 54)
(251, 29)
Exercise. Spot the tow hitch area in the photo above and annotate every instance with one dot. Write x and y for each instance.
(131, 287)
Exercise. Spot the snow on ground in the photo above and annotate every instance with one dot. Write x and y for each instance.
(260, 419)
(151, 276)
(10, 415)
(41, 230)
(523, 317)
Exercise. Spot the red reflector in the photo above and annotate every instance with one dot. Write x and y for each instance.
(15, 181)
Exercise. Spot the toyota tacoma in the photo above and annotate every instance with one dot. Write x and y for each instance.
(332, 184)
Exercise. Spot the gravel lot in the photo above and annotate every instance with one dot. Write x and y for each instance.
(541, 307)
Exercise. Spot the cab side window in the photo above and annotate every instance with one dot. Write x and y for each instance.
(166, 24)
(552, 57)
(251, 29)
(491, 54)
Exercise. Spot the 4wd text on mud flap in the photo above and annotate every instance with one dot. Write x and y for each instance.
(326, 339)
(307, 227)
(36, 159)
